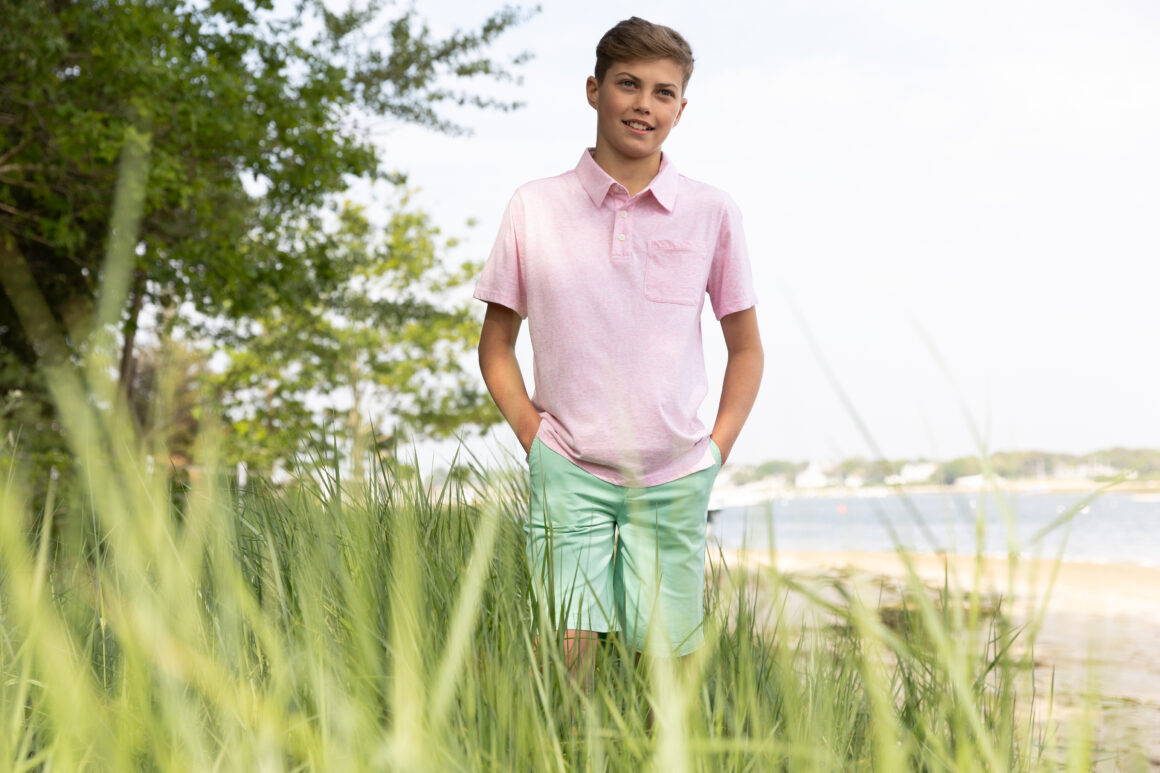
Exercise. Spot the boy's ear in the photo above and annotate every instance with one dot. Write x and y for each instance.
(680, 112)
(593, 89)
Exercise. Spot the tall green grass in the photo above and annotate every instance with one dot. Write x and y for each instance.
(385, 623)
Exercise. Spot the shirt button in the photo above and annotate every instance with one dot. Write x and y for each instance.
(624, 213)
(620, 236)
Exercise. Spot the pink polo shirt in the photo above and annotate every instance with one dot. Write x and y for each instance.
(612, 288)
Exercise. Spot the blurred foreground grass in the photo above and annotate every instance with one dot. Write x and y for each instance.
(384, 623)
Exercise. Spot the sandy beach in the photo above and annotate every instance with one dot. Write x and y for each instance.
(1099, 624)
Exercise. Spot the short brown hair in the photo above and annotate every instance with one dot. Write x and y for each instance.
(636, 38)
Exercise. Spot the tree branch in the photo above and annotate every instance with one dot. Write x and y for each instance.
(13, 151)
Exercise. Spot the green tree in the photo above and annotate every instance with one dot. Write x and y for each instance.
(779, 467)
(1146, 462)
(948, 472)
(383, 347)
(251, 120)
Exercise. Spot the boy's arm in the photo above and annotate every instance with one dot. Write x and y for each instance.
(742, 377)
(501, 372)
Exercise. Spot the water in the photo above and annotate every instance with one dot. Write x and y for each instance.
(1115, 528)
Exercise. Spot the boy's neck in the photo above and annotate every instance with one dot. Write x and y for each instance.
(634, 174)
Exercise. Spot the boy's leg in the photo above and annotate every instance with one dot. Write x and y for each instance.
(580, 657)
(570, 537)
(660, 563)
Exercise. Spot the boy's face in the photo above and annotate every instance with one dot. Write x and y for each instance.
(637, 105)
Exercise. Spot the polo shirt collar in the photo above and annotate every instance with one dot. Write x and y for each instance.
(597, 182)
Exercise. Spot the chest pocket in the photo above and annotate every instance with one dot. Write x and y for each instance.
(676, 271)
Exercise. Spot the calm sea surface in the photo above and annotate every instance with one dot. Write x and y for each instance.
(1115, 528)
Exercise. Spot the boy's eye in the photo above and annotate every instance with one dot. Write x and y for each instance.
(628, 84)
(667, 92)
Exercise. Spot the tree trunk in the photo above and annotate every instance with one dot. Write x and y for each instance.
(40, 327)
(128, 361)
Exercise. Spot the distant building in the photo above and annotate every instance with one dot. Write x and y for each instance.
(777, 483)
(812, 476)
(912, 472)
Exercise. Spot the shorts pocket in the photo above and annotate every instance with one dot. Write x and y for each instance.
(716, 451)
(676, 271)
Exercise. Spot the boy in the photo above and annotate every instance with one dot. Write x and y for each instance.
(610, 264)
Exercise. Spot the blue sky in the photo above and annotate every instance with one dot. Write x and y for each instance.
(985, 175)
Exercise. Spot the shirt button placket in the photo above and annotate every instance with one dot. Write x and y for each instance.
(622, 232)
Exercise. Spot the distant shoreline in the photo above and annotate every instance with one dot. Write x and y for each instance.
(726, 493)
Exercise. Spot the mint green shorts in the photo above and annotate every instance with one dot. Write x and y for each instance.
(605, 557)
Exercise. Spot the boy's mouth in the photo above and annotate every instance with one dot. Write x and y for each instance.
(638, 125)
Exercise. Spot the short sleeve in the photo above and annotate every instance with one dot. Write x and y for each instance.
(502, 280)
(730, 276)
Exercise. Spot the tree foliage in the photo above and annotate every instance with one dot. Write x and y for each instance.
(252, 121)
(378, 349)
